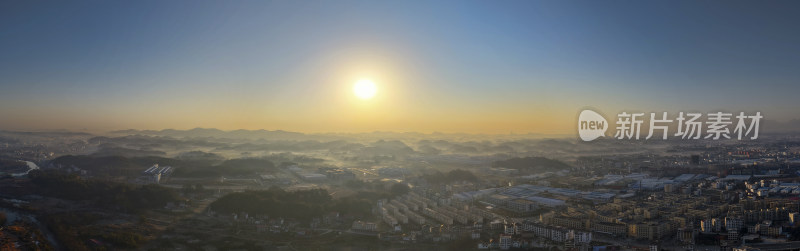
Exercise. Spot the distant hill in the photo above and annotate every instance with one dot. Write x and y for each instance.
(46, 133)
(100, 166)
(111, 165)
(216, 133)
(532, 164)
(388, 147)
(287, 135)
(200, 156)
(132, 166)
(127, 152)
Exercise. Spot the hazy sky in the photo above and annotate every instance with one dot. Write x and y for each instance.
(451, 66)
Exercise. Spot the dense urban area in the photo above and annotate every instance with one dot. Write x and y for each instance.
(206, 189)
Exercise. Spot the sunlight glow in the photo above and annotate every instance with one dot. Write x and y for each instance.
(365, 89)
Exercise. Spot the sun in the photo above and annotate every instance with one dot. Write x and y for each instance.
(365, 89)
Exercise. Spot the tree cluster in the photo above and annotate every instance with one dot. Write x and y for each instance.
(105, 194)
(300, 205)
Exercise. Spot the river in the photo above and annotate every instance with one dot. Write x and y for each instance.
(31, 166)
(14, 215)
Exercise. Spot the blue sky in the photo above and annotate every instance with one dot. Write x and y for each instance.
(473, 66)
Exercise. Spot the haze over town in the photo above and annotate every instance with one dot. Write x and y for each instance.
(408, 125)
